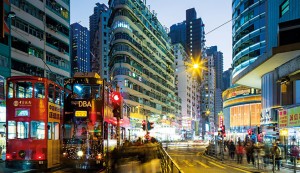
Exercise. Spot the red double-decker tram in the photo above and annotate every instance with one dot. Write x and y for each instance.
(33, 121)
(83, 122)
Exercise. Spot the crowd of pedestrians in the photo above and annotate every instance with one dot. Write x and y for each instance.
(247, 148)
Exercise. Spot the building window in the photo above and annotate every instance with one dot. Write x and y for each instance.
(284, 7)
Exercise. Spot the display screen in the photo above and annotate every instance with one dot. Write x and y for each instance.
(80, 113)
(22, 113)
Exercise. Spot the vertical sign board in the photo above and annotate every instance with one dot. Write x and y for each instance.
(221, 119)
(283, 118)
(294, 117)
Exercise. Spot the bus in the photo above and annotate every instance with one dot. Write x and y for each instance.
(33, 121)
(83, 121)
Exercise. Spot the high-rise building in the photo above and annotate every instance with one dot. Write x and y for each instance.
(142, 65)
(248, 33)
(276, 72)
(195, 35)
(178, 33)
(80, 51)
(40, 39)
(190, 33)
(187, 89)
(227, 79)
(99, 40)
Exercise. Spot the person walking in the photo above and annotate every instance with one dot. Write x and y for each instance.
(231, 149)
(249, 152)
(276, 154)
(240, 152)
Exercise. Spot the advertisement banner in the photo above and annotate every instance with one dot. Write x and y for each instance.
(294, 117)
(283, 118)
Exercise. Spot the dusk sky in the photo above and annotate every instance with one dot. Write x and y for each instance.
(213, 13)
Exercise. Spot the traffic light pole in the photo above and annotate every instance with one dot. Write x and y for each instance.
(118, 125)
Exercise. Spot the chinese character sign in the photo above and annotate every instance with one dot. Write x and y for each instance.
(283, 118)
(294, 117)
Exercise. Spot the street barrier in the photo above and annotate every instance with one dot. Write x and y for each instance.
(168, 165)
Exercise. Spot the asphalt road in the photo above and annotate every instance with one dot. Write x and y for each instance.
(190, 159)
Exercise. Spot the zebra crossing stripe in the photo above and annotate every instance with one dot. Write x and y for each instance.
(217, 165)
(187, 162)
(202, 164)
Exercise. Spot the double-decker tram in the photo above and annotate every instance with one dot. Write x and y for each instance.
(33, 121)
(83, 121)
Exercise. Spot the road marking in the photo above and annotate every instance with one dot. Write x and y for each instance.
(217, 165)
(187, 162)
(202, 164)
(241, 170)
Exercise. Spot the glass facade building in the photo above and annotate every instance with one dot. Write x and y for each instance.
(248, 32)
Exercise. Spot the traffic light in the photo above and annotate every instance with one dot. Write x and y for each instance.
(144, 125)
(116, 99)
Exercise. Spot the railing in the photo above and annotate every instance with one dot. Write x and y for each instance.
(167, 163)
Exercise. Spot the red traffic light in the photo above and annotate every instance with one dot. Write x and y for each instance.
(116, 97)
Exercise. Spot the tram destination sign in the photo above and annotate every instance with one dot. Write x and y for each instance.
(80, 113)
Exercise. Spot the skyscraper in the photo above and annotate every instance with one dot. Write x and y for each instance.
(80, 56)
(99, 40)
(142, 65)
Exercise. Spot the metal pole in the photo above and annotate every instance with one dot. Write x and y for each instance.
(295, 162)
(118, 124)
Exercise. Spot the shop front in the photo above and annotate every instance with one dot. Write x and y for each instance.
(289, 133)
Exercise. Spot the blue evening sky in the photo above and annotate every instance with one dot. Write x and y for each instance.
(213, 13)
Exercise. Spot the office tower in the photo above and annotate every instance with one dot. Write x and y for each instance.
(142, 65)
(99, 40)
(178, 33)
(227, 79)
(80, 56)
(248, 33)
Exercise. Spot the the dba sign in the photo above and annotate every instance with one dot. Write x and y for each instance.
(84, 104)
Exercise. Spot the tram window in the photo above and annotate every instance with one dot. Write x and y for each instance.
(49, 131)
(11, 130)
(10, 90)
(57, 95)
(39, 90)
(37, 130)
(86, 93)
(22, 130)
(51, 93)
(96, 92)
(56, 131)
(24, 90)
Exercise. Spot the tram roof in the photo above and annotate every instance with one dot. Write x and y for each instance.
(87, 75)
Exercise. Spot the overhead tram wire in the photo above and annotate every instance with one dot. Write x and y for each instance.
(218, 27)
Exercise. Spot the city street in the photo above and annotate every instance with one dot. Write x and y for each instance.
(191, 159)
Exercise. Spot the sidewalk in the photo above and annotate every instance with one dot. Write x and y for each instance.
(257, 167)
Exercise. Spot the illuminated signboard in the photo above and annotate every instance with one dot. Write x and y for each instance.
(80, 113)
(22, 113)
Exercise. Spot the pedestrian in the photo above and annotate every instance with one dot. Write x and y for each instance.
(240, 152)
(249, 152)
(231, 149)
(276, 154)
